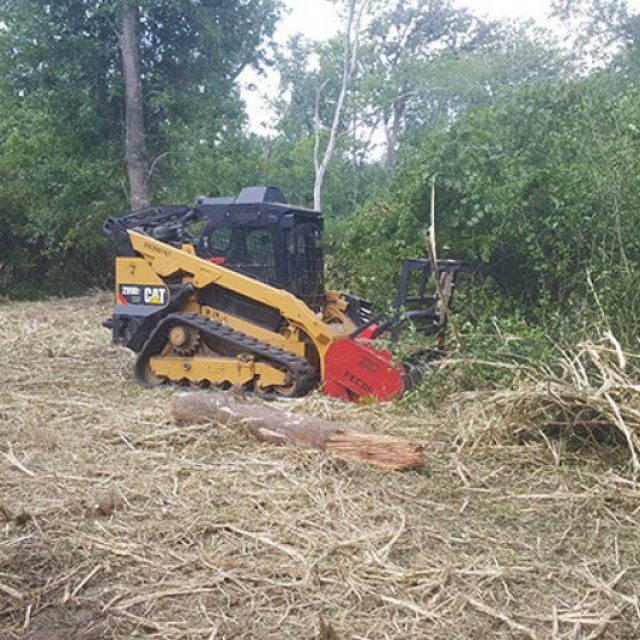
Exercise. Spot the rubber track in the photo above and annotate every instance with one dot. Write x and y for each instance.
(302, 373)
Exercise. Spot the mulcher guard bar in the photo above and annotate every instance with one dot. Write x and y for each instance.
(416, 301)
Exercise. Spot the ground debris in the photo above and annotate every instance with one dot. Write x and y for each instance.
(139, 527)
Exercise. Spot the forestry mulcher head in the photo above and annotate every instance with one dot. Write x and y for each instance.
(230, 292)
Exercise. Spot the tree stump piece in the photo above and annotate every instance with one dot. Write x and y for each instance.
(270, 423)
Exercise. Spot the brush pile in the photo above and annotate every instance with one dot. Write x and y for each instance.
(593, 392)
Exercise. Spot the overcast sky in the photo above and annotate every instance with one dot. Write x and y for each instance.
(318, 19)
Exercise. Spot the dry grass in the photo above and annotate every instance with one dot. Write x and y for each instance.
(591, 393)
(116, 524)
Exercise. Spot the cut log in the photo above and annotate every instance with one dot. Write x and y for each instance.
(270, 423)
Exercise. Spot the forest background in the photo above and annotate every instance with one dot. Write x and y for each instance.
(532, 143)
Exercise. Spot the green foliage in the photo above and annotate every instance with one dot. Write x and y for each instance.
(365, 251)
(497, 354)
(457, 83)
(201, 167)
(62, 169)
(53, 199)
(542, 187)
(421, 65)
(66, 54)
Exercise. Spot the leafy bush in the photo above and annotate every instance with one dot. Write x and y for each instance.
(542, 187)
(494, 355)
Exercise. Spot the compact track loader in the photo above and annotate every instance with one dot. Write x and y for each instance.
(230, 292)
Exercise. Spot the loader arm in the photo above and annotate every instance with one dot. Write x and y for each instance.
(167, 262)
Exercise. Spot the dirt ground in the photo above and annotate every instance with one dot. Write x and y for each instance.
(116, 524)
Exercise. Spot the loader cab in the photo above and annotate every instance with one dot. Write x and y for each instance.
(258, 234)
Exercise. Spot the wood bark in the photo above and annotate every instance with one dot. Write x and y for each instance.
(393, 129)
(269, 423)
(135, 146)
(391, 133)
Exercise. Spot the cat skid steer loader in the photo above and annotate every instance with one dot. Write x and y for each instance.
(230, 293)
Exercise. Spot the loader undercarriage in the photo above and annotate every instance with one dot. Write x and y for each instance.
(225, 356)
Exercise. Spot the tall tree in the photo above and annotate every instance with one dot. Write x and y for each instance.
(600, 20)
(404, 38)
(351, 39)
(63, 134)
(608, 33)
(456, 82)
(135, 147)
(69, 55)
(420, 63)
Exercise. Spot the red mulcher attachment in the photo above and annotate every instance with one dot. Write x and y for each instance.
(355, 369)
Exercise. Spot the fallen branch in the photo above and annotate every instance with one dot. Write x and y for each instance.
(11, 459)
(498, 615)
(12, 593)
(271, 424)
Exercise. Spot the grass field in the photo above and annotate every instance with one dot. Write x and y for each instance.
(115, 523)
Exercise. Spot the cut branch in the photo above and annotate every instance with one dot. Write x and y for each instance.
(270, 424)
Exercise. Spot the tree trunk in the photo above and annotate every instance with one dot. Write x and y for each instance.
(135, 149)
(271, 424)
(392, 131)
(349, 61)
(392, 138)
